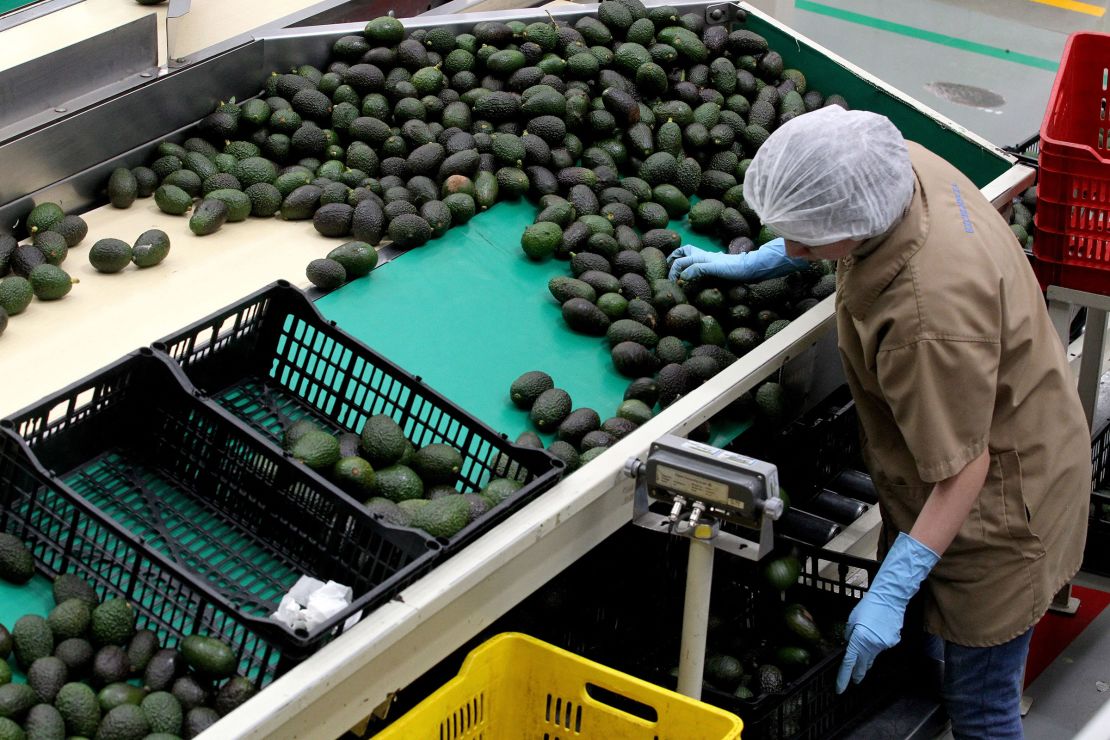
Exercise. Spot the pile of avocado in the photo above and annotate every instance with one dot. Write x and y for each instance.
(31, 270)
(579, 433)
(405, 133)
(90, 673)
(399, 484)
(1021, 217)
(767, 651)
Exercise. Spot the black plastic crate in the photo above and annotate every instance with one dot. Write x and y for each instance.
(812, 450)
(272, 359)
(621, 605)
(1096, 553)
(129, 480)
(1028, 152)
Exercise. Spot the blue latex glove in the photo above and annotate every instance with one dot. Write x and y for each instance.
(876, 623)
(769, 261)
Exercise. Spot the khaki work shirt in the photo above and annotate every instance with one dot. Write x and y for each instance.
(949, 350)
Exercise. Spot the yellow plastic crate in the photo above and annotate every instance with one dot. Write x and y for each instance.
(517, 687)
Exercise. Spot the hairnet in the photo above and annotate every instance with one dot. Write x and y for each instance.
(830, 175)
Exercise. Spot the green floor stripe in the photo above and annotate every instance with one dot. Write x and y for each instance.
(902, 29)
(9, 5)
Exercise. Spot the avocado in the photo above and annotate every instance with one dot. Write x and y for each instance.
(151, 248)
(540, 240)
(52, 245)
(326, 274)
(43, 217)
(397, 483)
(632, 359)
(117, 694)
(43, 722)
(627, 330)
(317, 449)
(31, 639)
(550, 409)
(208, 656)
(172, 200)
(383, 441)
(770, 401)
(561, 287)
(357, 258)
(189, 692)
(110, 665)
(635, 411)
(16, 699)
(113, 622)
(500, 489)
(141, 649)
(17, 565)
(78, 706)
(800, 622)
(209, 215)
(50, 282)
(437, 464)
(671, 349)
(110, 256)
(47, 676)
(77, 654)
(162, 712)
(197, 720)
(528, 387)
(125, 722)
(584, 317)
(770, 679)
(123, 188)
(233, 694)
(723, 671)
(444, 517)
(164, 666)
(71, 618)
(577, 424)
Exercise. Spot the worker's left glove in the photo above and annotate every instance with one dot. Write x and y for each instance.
(770, 260)
(876, 623)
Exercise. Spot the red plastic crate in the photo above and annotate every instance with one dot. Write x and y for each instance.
(1073, 192)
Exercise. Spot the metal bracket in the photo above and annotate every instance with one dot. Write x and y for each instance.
(176, 10)
(720, 13)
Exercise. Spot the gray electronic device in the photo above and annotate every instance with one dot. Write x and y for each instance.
(707, 485)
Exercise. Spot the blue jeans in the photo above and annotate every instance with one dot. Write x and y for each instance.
(982, 688)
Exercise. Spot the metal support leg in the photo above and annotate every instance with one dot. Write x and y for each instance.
(1063, 602)
(695, 617)
(1060, 313)
(1090, 368)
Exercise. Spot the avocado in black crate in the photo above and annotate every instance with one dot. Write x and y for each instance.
(772, 656)
(130, 481)
(274, 361)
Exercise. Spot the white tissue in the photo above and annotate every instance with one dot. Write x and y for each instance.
(312, 602)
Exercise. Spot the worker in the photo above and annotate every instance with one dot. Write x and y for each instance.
(971, 425)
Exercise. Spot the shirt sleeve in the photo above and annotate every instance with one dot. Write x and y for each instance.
(942, 392)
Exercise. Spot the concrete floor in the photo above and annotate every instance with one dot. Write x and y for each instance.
(986, 64)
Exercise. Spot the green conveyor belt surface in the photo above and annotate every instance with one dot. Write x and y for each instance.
(468, 313)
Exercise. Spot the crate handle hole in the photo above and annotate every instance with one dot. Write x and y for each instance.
(1102, 110)
(622, 703)
(1105, 77)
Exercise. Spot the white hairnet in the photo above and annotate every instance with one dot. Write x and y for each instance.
(830, 175)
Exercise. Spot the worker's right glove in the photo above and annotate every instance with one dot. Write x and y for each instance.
(770, 260)
(876, 623)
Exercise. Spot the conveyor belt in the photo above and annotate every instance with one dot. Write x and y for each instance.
(469, 313)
